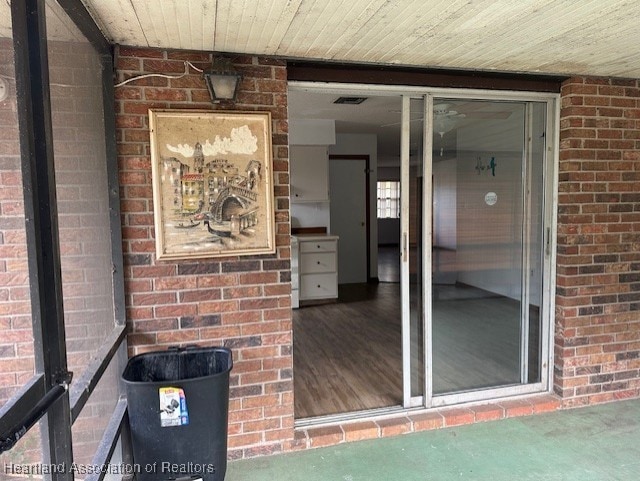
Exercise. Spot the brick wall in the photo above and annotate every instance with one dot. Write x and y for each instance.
(239, 302)
(597, 347)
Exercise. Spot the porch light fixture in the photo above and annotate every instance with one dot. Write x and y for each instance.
(222, 81)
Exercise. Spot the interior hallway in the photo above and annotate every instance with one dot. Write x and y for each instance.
(599, 443)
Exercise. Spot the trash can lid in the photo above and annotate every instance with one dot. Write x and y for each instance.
(176, 364)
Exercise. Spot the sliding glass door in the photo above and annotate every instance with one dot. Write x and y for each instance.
(475, 296)
(473, 248)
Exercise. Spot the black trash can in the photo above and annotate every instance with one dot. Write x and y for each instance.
(178, 404)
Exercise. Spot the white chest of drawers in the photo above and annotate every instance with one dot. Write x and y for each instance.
(318, 267)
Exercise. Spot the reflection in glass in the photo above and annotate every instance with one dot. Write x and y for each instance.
(480, 215)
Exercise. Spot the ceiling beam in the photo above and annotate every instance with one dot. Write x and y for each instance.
(300, 70)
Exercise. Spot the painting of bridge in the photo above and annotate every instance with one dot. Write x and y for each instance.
(213, 188)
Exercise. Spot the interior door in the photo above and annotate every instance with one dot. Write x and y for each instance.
(347, 187)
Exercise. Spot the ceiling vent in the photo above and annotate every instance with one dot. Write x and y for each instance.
(350, 100)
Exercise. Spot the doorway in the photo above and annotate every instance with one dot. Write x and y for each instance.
(469, 318)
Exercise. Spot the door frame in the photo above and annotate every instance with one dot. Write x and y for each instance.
(367, 202)
(550, 201)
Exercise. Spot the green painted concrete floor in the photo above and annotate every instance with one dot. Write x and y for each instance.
(594, 443)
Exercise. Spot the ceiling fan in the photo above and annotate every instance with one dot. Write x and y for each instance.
(470, 110)
(444, 120)
(440, 112)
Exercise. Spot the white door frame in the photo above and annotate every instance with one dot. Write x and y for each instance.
(404, 251)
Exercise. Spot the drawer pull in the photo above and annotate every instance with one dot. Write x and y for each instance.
(318, 262)
(318, 246)
(318, 286)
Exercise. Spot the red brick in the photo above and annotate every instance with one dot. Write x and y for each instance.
(241, 292)
(325, 436)
(517, 408)
(488, 412)
(299, 441)
(242, 440)
(360, 430)
(427, 421)
(394, 426)
(175, 310)
(177, 337)
(457, 416)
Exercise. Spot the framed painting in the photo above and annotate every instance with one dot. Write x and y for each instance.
(212, 183)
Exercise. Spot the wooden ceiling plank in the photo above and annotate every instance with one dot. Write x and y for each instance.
(535, 37)
(203, 19)
(502, 47)
(369, 32)
(459, 37)
(197, 31)
(228, 22)
(118, 21)
(152, 22)
(191, 21)
(552, 36)
(282, 25)
(353, 27)
(423, 27)
(253, 17)
(341, 23)
(540, 36)
(305, 27)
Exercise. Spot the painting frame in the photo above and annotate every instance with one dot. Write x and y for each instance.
(213, 188)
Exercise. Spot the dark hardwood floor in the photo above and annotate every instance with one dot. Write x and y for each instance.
(389, 263)
(348, 355)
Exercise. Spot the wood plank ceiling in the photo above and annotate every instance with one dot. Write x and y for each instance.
(595, 37)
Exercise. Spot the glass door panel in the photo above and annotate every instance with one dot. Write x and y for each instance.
(412, 245)
(480, 217)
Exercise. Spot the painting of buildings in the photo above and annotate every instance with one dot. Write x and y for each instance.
(212, 183)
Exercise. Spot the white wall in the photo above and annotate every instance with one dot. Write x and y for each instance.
(310, 214)
(310, 132)
(364, 144)
(445, 203)
(445, 217)
(489, 237)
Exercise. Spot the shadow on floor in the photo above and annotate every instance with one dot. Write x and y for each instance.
(599, 443)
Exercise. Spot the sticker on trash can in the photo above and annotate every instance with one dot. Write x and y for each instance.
(173, 407)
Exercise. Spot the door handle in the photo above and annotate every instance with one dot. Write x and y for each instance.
(404, 247)
(547, 249)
